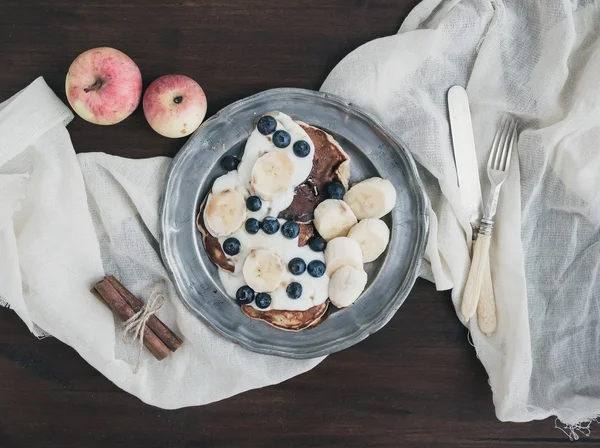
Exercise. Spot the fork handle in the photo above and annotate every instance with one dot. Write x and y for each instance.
(486, 308)
(476, 273)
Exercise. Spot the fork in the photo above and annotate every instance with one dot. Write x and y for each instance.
(497, 171)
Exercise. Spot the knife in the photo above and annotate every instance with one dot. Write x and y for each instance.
(467, 172)
(465, 157)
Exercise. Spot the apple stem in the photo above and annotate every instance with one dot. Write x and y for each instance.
(94, 86)
(178, 99)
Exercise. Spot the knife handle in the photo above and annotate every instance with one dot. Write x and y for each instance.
(472, 290)
(486, 308)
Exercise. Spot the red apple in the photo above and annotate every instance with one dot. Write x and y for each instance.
(174, 105)
(103, 85)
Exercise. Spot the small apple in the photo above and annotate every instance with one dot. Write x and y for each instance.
(103, 85)
(174, 105)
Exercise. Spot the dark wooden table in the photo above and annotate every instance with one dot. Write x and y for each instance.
(415, 383)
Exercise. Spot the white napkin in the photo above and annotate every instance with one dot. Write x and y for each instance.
(538, 60)
(65, 220)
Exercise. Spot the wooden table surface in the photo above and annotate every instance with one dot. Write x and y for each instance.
(415, 383)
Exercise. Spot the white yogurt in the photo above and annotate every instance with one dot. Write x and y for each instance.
(314, 290)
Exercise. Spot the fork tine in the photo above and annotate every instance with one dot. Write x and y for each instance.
(501, 144)
(512, 144)
(494, 150)
(506, 144)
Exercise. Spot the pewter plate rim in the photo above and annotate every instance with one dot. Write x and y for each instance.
(333, 345)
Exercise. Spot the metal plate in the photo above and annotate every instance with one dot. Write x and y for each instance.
(373, 152)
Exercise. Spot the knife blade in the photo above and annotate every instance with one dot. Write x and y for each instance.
(465, 157)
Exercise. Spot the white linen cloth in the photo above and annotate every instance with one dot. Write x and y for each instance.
(65, 220)
(538, 60)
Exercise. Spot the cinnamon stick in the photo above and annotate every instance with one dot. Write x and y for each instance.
(121, 308)
(156, 325)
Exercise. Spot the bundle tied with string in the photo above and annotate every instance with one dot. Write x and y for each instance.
(141, 323)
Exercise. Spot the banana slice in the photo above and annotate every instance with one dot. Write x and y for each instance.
(346, 285)
(333, 218)
(225, 212)
(342, 251)
(372, 235)
(371, 198)
(263, 270)
(272, 174)
(343, 171)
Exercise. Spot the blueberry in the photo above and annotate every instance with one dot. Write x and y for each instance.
(316, 268)
(252, 226)
(317, 244)
(229, 163)
(297, 266)
(263, 300)
(301, 148)
(281, 139)
(290, 230)
(244, 295)
(270, 225)
(232, 246)
(335, 190)
(253, 203)
(294, 290)
(266, 125)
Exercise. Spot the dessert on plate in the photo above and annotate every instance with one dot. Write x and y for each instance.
(285, 230)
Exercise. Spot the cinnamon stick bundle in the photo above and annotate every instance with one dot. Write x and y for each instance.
(157, 337)
(155, 324)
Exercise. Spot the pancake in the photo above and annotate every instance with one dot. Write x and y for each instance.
(331, 163)
(289, 320)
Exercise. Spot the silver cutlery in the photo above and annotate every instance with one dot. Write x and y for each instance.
(467, 173)
(497, 171)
